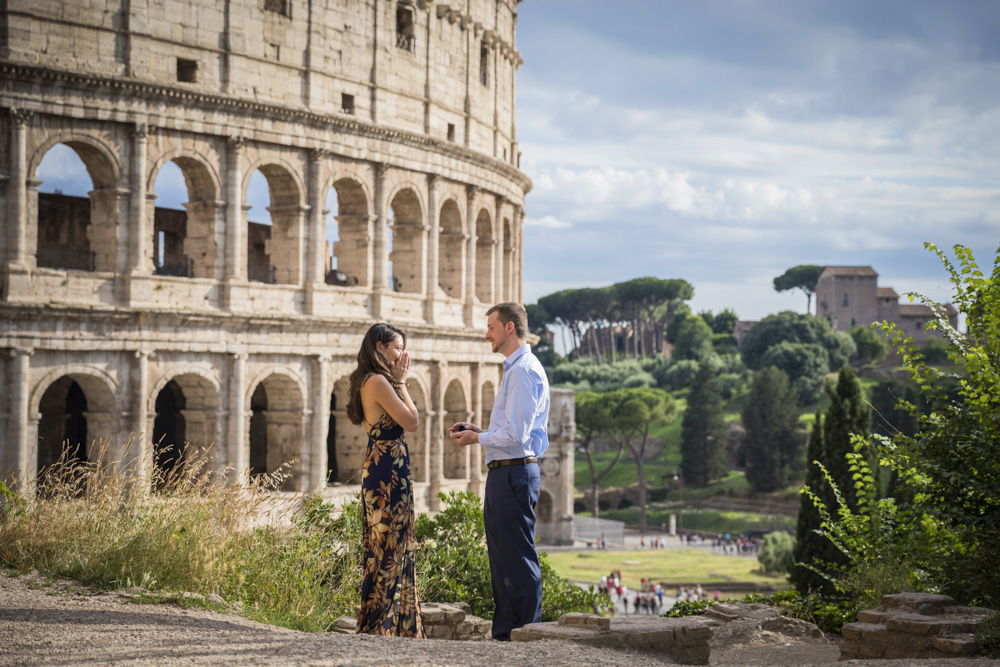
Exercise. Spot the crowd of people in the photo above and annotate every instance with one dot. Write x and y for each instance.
(649, 597)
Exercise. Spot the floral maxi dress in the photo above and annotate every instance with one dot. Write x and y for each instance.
(389, 603)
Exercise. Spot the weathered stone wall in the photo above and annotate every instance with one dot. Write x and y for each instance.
(259, 339)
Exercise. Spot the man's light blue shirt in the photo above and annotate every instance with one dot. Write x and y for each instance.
(520, 415)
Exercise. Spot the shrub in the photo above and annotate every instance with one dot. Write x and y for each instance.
(776, 552)
(687, 608)
(680, 375)
(988, 636)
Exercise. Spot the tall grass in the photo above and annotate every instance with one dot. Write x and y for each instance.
(187, 529)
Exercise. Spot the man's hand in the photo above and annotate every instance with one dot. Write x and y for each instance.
(464, 433)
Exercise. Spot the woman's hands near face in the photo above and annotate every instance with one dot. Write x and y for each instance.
(400, 368)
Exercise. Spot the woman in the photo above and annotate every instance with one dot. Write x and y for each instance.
(378, 397)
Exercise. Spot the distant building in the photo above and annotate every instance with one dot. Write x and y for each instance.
(849, 296)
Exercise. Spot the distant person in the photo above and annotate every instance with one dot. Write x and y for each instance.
(516, 438)
(378, 398)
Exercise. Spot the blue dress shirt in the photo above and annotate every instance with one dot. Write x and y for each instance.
(520, 415)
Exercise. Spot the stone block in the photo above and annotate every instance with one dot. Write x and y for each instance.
(919, 624)
(915, 601)
(857, 631)
(872, 616)
(959, 645)
(439, 631)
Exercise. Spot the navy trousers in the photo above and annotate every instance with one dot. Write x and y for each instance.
(509, 514)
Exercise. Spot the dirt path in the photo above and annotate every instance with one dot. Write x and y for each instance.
(62, 623)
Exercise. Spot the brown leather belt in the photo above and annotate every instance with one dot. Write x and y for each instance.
(511, 462)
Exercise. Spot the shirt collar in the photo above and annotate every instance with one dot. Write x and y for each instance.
(518, 353)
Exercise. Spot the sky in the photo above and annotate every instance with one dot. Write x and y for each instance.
(723, 142)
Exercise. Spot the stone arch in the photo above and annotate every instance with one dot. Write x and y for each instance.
(456, 459)
(489, 397)
(407, 234)
(73, 232)
(276, 403)
(76, 404)
(352, 250)
(543, 511)
(451, 250)
(485, 247)
(349, 441)
(186, 240)
(418, 440)
(275, 251)
(185, 408)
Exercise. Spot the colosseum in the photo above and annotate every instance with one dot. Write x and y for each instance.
(381, 135)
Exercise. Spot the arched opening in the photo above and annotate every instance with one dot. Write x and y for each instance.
(331, 442)
(75, 209)
(417, 440)
(489, 397)
(169, 430)
(347, 237)
(543, 512)
(63, 423)
(274, 227)
(451, 253)
(406, 250)
(350, 440)
(76, 413)
(456, 459)
(484, 257)
(277, 430)
(184, 220)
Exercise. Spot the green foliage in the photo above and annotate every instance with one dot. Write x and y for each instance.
(711, 521)
(795, 328)
(680, 375)
(988, 636)
(776, 553)
(773, 444)
(693, 339)
(722, 322)
(810, 545)
(804, 363)
(872, 347)
(587, 374)
(703, 432)
(684, 608)
(951, 465)
(935, 351)
(12, 503)
(802, 277)
(593, 422)
(453, 564)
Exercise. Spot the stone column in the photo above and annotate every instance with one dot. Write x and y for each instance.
(472, 250)
(235, 266)
(137, 454)
(380, 254)
(436, 443)
(316, 236)
(476, 453)
(320, 422)
(499, 250)
(518, 256)
(431, 277)
(139, 231)
(237, 453)
(18, 443)
(17, 196)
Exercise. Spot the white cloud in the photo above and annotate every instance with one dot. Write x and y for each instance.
(548, 221)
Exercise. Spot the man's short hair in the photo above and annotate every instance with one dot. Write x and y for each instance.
(508, 311)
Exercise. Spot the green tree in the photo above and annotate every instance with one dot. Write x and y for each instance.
(634, 412)
(804, 363)
(703, 432)
(872, 346)
(776, 552)
(795, 328)
(694, 339)
(722, 322)
(803, 277)
(810, 546)
(847, 415)
(773, 444)
(593, 422)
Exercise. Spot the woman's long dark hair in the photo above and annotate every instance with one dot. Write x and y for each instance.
(370, 362)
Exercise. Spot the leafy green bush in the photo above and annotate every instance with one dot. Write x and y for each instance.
(588, 374)
(776, 553)
(988, 636)
(829, 615)
(687, 608)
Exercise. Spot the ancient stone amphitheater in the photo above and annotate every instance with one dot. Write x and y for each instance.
(203, 326)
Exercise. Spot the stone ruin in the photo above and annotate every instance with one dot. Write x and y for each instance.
(442, 620)
(913, 625)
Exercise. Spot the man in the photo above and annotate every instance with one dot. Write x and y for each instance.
(516, 438)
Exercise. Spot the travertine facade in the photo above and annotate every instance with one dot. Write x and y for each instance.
(243, 336)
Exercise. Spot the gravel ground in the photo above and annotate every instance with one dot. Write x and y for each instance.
(62, 623)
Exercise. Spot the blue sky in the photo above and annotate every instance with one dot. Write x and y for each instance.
(724, 141)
